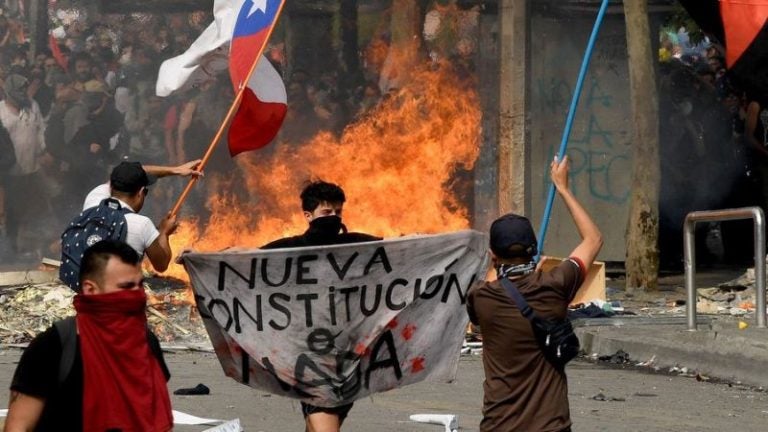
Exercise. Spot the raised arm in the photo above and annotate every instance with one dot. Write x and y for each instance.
(591, 238)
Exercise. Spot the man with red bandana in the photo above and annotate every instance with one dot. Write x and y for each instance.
(117, 381)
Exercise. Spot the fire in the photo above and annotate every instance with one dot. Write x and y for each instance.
(397, 166)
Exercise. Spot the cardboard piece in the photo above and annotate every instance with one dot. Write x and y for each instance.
(593, 286)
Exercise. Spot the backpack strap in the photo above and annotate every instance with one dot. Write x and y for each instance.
(67, 330)
(520, 302)
(157, 351)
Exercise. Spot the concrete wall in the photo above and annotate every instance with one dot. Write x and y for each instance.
(486, 172)
(599, 145)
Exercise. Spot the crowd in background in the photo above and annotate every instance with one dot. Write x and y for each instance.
(714, 149)
(87, 101)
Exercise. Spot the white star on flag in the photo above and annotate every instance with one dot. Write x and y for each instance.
(258, 5)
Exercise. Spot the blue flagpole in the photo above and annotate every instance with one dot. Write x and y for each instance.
(569, 121)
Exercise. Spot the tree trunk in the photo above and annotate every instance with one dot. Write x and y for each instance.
(643, 226)
(513, 17)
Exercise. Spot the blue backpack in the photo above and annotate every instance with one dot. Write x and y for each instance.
(105, 221)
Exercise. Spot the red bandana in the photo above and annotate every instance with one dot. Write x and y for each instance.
(123, 385)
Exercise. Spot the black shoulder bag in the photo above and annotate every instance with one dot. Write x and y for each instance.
(555, 337)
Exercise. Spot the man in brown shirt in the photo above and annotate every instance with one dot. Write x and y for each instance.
(523, 390)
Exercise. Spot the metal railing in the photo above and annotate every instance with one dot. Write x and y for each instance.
(758, 218)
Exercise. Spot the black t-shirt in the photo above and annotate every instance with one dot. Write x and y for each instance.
(38, 375)
(310, 238)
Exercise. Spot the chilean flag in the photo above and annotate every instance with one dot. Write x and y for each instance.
(263, 105)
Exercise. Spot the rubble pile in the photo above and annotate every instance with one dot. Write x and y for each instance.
(27, 310)
(735, 297)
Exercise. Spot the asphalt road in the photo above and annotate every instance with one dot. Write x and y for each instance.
(646, 402)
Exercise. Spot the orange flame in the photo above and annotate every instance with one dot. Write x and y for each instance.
(396, 166)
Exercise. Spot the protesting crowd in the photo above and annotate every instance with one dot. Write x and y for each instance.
(83, 116)
(707, 122)
(326, 317)
(87, 102)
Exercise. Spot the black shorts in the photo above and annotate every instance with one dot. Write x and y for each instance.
(340, 411)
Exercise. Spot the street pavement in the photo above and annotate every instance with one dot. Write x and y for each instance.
(602, 399)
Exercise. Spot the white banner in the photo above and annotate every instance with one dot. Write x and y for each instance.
(333, 324)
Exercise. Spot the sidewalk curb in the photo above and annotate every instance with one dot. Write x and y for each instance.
(728, 355)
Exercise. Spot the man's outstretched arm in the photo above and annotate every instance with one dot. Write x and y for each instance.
(185, 169)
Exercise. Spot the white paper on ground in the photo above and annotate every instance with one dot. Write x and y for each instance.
(181, 418)
(3, 412)
(230, 426)
(449, 421)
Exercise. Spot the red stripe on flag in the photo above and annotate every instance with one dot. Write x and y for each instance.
(255, 124)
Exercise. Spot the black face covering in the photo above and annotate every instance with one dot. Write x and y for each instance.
(326, 225)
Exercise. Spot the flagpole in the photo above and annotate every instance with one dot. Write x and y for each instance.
(569, 123)
(227, 118)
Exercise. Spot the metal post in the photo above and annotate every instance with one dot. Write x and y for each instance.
(760, 267)
(689, 254)
(689, 246)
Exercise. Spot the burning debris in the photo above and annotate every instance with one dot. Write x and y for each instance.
(400, 164)
(28, 310)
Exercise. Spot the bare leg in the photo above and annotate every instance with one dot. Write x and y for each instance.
(323, 422)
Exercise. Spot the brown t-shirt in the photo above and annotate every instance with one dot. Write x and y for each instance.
(523, 391)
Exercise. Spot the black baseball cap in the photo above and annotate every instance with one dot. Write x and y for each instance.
(130, 177)
(510, 230)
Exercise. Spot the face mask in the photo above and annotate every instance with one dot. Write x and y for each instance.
(326, 225)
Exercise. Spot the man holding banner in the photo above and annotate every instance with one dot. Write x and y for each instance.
(522, 389)
(330, 317)
(322, 204)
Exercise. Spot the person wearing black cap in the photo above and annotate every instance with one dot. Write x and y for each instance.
(129, 184)
(522, 389)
